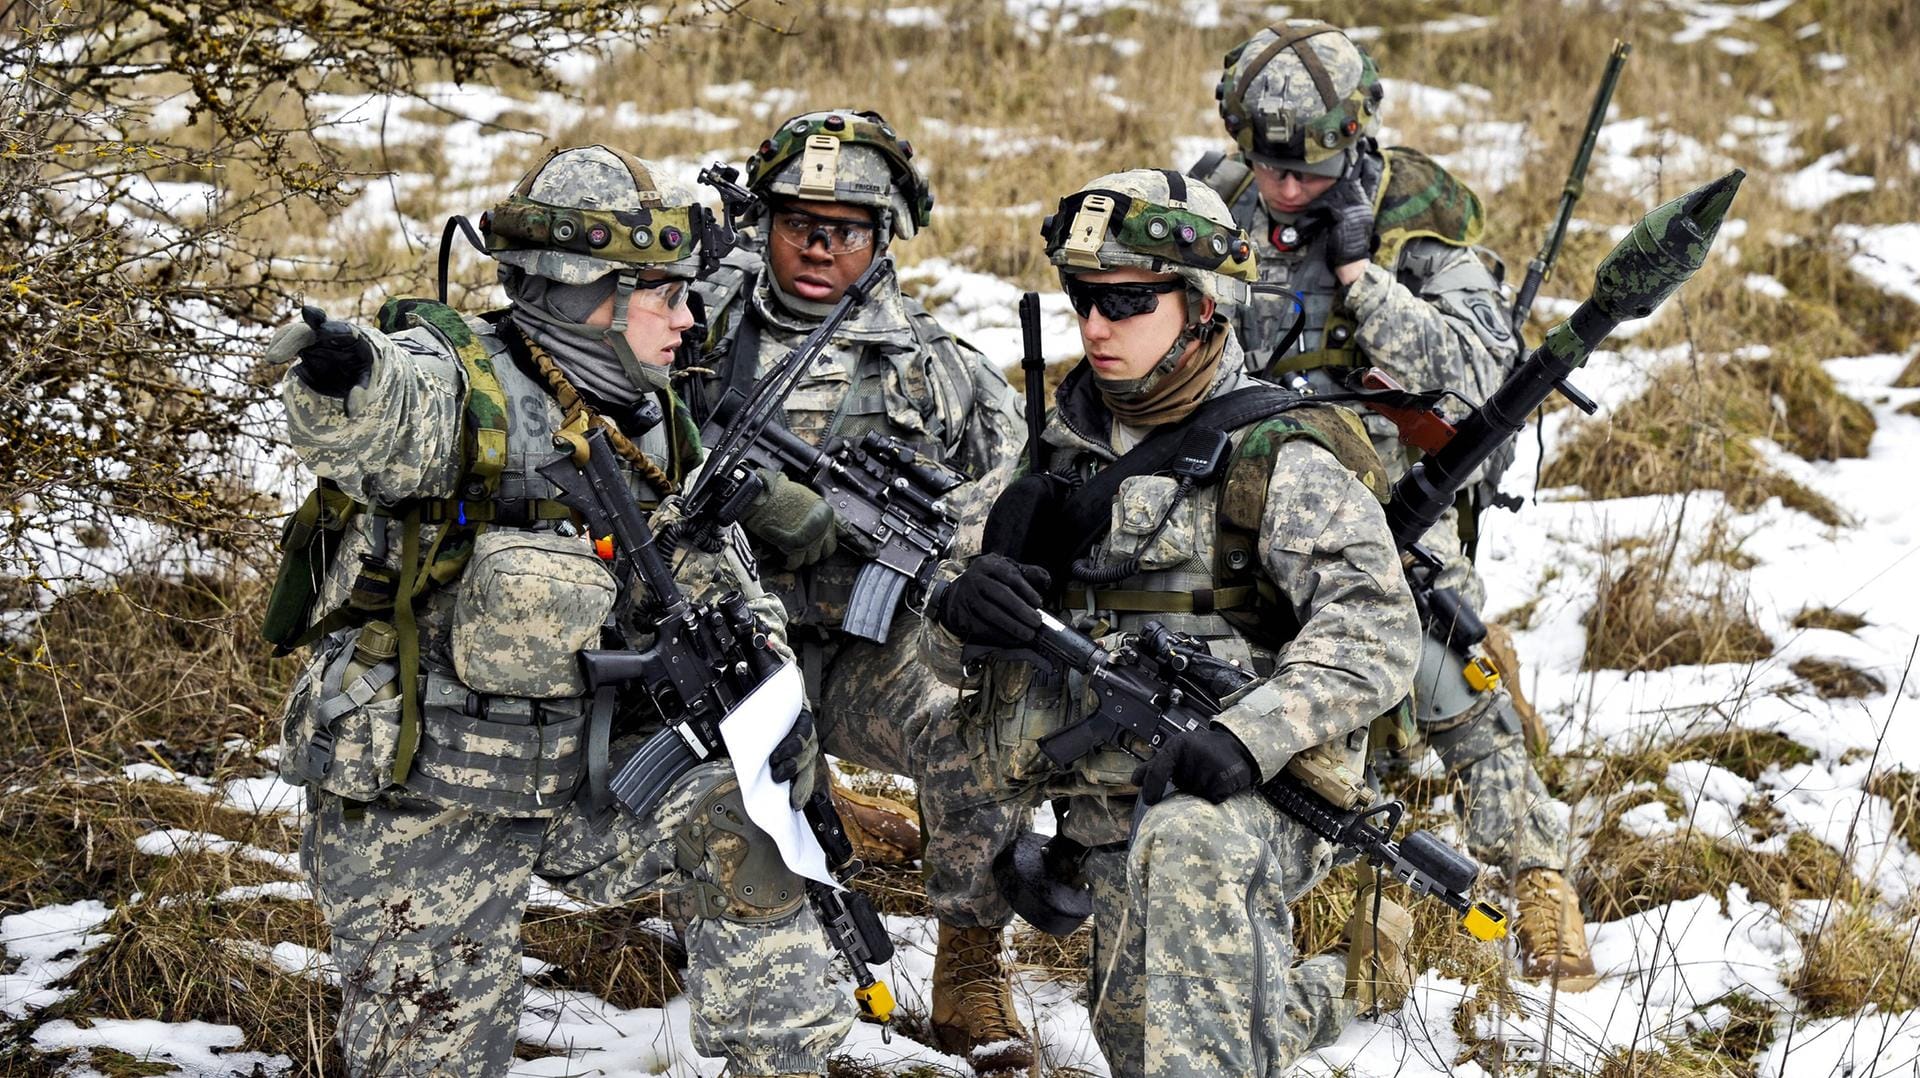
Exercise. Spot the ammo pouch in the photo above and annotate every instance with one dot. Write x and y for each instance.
(506, 755)
(528, 603)
(341, 728)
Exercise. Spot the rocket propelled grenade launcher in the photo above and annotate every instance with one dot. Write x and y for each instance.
(1661, 252)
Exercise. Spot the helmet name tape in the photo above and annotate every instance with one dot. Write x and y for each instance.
(820, 168)
(1088, 232)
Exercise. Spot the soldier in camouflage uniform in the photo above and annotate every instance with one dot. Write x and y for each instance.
(1371, 254)
(837, 187)
(1193, 971)
(431, 816)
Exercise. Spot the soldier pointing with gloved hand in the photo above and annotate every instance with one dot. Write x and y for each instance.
(441, 726)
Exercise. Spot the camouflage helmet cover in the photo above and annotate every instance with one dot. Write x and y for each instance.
(845, 155)
(1156, 220)
(589, 211)
(1300, 92)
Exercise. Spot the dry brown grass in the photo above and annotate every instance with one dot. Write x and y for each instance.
(1691, 430)
(179, 955)
(1826, 617)
(1856, 960)
(613, 952)
(178, 662)
(1833, 679)
(1902, 791)
(1909, 376)
(1645, 617)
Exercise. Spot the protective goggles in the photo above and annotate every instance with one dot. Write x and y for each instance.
(663, 295)
(1120, 300)
(660, 235)
(1302, 171)
(801, 230)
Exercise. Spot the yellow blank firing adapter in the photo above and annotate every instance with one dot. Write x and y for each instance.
(1483, 922)
(1481, 674)
(876, 1001)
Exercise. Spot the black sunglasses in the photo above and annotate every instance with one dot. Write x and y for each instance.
(1118, 301)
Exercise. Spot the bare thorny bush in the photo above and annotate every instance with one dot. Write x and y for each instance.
(147, 154)
(133, 302)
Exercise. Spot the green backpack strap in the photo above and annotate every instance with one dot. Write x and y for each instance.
(1269, 622)
(484, 457)
(484, 402)
(1419, 199)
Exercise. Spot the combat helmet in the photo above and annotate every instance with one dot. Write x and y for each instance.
(1299, 95)
(844, 155)
(1157, 220)
(590, 211)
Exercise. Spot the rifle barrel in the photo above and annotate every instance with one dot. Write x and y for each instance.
(1541, 267)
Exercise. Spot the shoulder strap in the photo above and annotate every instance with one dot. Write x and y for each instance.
(1229, 176)
(1242, 506)
(1087, 511)
(484, 403)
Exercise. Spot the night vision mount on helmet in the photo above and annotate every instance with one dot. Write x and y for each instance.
(844, 155)
(1153, 219)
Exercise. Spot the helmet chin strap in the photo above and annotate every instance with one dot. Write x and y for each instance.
(614, 336)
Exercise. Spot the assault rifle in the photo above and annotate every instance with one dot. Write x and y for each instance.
(881, 489)
(704, 660)
(1157, 686)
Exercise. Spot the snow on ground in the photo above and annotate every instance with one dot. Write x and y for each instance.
(1888, 255)
(1821, 182)
(1670, 970)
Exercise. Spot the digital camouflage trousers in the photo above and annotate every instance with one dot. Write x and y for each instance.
(425, 904)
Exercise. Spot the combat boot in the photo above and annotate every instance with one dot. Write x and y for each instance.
(1379, 970)
(973, 1013)
(1499, 648)
(883, 831)
(1551, 934)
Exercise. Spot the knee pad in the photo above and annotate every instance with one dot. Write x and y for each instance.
(1490, 727)
(737, 870)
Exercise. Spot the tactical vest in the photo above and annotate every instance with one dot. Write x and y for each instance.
(515, 749)
(1416, 199)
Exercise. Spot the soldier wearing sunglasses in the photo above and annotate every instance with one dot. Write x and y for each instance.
(1267, 542)
(1373, 253)
(838, 188)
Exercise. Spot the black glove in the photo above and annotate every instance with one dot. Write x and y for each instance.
(336, 360)
(995, 602)
(1209, 763)
(793, 519)
(1345, 213)
(796, 759)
